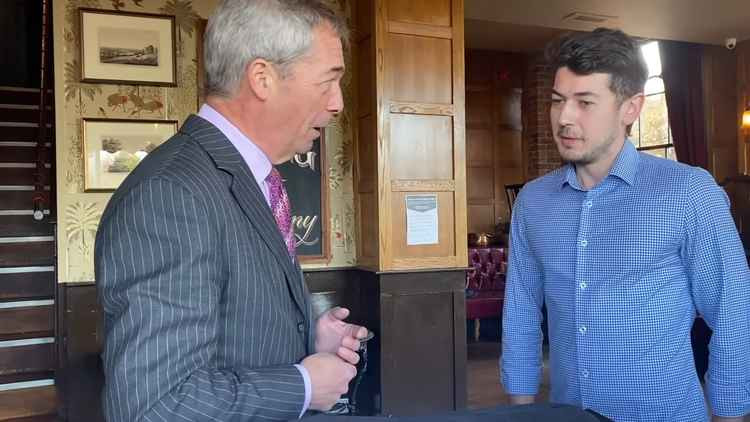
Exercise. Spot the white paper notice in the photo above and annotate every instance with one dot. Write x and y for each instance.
(421, 220)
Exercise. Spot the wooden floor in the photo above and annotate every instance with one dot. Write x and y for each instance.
(483, 377)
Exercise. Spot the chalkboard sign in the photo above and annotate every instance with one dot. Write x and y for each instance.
(306, 181)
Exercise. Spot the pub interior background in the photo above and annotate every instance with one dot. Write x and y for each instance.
(444, 98)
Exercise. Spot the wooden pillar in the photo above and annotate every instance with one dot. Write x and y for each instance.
(411, 130)
(411, 141)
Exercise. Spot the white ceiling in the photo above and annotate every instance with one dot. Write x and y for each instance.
(524, 25)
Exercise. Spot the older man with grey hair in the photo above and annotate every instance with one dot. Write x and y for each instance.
(207, 316)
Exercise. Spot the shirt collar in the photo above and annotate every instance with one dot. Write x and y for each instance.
(254, 157)
(625, 167)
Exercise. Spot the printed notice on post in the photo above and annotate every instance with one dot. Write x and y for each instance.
(421, 220)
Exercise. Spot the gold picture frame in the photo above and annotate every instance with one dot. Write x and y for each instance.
(112, 148)
(127, 48)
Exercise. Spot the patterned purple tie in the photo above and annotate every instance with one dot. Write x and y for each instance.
(281, 209)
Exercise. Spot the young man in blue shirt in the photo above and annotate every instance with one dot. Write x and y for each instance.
(625, 249)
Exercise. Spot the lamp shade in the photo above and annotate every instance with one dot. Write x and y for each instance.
(746, 119)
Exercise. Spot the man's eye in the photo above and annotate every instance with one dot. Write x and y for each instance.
(557, 100)
(586, 103)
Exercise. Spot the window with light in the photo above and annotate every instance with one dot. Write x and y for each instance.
(651, 132)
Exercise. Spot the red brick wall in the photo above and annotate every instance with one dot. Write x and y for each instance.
(541, 152)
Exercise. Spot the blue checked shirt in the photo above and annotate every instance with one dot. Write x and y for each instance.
(623, 269)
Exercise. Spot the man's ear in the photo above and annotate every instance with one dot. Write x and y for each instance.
(631, 108)
(260, 75)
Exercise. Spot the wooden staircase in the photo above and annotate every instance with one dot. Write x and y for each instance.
(28, 350)
(28, 353)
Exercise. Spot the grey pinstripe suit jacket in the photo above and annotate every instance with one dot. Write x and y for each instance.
(205, 313)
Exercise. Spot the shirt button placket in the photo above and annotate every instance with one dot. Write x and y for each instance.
(582, 303)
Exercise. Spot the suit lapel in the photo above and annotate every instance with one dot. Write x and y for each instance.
(249, 198)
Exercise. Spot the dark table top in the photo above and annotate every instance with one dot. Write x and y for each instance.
(527, 413)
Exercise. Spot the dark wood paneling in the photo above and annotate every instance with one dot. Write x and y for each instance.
(80, 377)
(423, 342)
(410, 313)
(420, 351)
(495, 156)
(24, 225)
(460, 387)
(720, 107)
(16, 321)
(23, 359)
(369, 396)
(26, 254)
(83, 321)
(24, 134)
(27, 285)
(23, 176)
(329, 288)
(23, 154)
(423, 282)
(421, 331)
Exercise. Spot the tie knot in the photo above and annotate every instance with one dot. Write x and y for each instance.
(274, 176)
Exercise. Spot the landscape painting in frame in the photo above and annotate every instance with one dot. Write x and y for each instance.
(112, 148)
(127, 48)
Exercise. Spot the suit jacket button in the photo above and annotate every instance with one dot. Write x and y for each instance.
(301, 327)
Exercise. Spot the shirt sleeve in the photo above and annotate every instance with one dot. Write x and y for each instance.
(521, 361)
(308, 388)
(720, 283)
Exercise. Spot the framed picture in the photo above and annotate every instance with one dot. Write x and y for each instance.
(127, 48)
(112, 148)
(306, 181)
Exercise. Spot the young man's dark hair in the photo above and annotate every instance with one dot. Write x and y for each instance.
(602, 51)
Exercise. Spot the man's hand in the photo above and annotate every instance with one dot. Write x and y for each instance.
(329, 379)
(515, 399)
(727, 419)
(338, 337)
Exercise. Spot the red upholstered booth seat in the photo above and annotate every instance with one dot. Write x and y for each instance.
(485, 284)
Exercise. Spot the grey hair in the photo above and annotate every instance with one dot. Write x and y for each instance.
(279, 31)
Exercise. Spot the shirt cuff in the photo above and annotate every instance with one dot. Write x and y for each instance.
(308, 388)
(729, 400)
(520, 381)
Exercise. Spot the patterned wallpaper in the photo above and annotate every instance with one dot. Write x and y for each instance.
(78, 211)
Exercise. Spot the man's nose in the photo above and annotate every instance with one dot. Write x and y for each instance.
(567, 113)
(336, 103)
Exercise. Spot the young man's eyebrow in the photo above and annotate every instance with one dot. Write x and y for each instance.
(577, 94)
